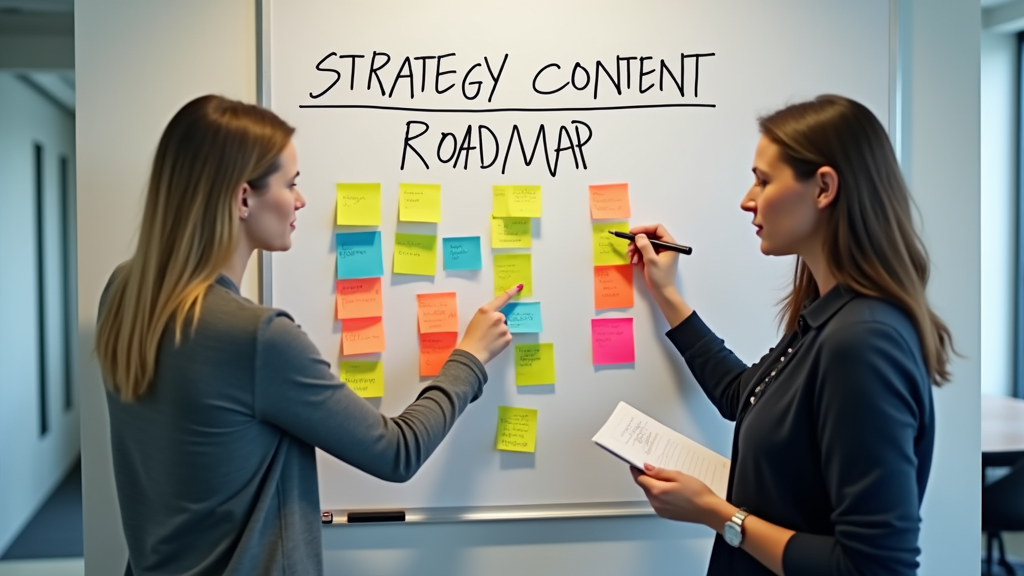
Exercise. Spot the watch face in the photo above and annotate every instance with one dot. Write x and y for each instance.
(732, 533)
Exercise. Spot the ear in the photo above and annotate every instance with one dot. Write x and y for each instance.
(828, 186)
(242, 196)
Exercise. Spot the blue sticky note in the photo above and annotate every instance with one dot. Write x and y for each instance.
(359, 255)
(523, 317)
(462, 253)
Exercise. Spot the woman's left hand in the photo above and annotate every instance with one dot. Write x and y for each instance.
(678, 496)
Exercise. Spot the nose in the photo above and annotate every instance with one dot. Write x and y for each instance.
(749, 202)
(300, 200)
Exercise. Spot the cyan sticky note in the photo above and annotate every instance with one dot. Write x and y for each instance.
(462, 253)
(523, 317)
(359, 255)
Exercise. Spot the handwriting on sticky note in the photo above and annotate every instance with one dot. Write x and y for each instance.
(512, 269)
(364, 378)
(362, 336)
(609, 250)
(435, 348)
(359, 255)
(357, 204)
(358, 298)
(517, 429)
(609, 201)
(524, 201)
(613, 287)
(523, 317)
(499, 201)
(419, 202)
(535, 364)
(462, 253)
(510, 233)
(437, 312)
(612, 340)
(415, 254)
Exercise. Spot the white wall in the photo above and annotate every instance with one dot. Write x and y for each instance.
(118, 40)
(999, 55)
(31, 466)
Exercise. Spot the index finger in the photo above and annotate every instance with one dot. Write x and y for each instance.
(504, 298)
(652, 231)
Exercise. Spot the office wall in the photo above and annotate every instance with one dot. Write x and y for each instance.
(31, 464)
(116, 41)
(999, 55)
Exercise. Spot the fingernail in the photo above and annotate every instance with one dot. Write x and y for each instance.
(519, 287)
(648, 467)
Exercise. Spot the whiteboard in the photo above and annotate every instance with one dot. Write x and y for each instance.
(685, 154)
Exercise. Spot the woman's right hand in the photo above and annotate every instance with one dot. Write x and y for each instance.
(659, 268)
(487, 334)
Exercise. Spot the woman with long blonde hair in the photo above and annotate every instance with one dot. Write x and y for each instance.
(216, 403)
(835, 425)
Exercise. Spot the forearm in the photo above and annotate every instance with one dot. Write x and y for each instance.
(672, 305)
(763, 540)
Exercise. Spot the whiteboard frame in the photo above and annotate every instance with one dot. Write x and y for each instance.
(897, 71)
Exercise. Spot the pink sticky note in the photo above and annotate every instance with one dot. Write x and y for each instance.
(612, 340)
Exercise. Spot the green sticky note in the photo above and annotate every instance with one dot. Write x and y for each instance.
(609, 250)
(364, 378)
(419, 202)
(524, 201)
(535, 364)
(517, 429)
(415, 254)
(512, 269)
(510, 232)
(357, 204)
(499, 201)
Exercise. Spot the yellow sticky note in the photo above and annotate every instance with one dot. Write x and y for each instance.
(358, 204)
(419, 202)
(510, 232)
(364, 378)
(517, 429)
(415, 254)
(499, 201)
(524, 201)
(512, 269)
(535, 364)
(609, 250)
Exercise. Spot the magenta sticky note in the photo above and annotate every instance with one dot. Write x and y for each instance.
(612, 340)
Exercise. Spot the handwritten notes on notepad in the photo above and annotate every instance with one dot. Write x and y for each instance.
(522, 201)
(419, 202)
(609, 250)
(523, 317)
(609, 201)
(362, 336)
(517, 429)
(612, 340)
(357, 204)
(462, 253)
(364, 378)
(512, 269)
(613, 287)
(359, 255)
(535, 364)
(358, 298)
(435, 349)
(437, 312)
(510, 233)
(415, 254)
(638, 439)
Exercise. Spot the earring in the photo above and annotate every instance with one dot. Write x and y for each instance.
(245, 215)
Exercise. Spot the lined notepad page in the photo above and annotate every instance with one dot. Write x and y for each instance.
(638, 438)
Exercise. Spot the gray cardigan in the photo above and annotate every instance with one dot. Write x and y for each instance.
(215, 466)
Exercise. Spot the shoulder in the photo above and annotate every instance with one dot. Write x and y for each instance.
(864, 321)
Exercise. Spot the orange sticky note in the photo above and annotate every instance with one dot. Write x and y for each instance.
(613, 287)
(434, 351)
(359, 298)
(362, 336)
(437, 312)
(609, 201)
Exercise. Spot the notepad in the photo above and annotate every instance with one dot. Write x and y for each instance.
(637, 438)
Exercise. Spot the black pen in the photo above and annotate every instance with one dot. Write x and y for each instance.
(656, 243)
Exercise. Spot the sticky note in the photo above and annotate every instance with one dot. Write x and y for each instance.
(437, 312)
(612, 340)
(613, 287)
(609, 250)
(512, 269)
(358, 298)
(362, 336)
(359, 255)
(415, 254)
(357, 204)
(523, 201)
(523, 317)
(499, 201)
(535, 364)
(609, 201)
(419, 202)
(434, 351)
(462, 253)
(364, 378)
(510, 232)
(517, 429)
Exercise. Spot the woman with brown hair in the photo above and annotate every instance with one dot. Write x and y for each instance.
(835, 425)
(216, 403)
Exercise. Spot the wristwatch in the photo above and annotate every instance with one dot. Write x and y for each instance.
(733, 531)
